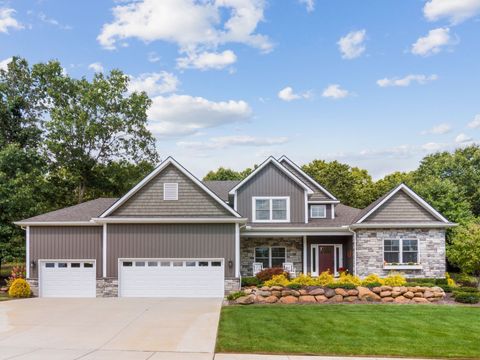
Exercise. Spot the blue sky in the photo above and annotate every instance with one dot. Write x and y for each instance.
(375, 84)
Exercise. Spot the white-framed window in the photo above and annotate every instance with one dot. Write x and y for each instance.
(271, 209)
(273, 256)
(170, 191)
(318, 211)
(401, 251)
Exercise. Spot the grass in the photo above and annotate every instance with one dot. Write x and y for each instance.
(4, 296)
(389, 330)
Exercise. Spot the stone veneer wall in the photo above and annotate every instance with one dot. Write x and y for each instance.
(107, 287)
(431, 251)
(232, 285)
(33, 286)
(294, 249)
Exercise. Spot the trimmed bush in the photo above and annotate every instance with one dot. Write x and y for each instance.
(466, 290)
(372, 279)
(294, 286)
(325, 278)
(447, 288)
(341, 285)
(467, 297)
(277, 280)
(304, 280)
(269, 273)
(371, 284)
(395, 279)
(349, 279)
(19, 289)
(250, 281)
(423, 284)
(466, 280)
(235, 295)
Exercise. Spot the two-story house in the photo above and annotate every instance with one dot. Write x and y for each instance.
(173, 235)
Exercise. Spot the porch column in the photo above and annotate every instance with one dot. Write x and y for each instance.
(27, 255)
(305, 254)
(237, 250)
(104, 251)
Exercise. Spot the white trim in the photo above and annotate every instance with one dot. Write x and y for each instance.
(332, 208)
(323, 202)
(402, 267)
(270, 198)
(305, 255)
(171, 187)
(414, 196)
(272, 160)
(401, 225)
(317, 260)
(104, 251)
(120, 220)
(27, 255)
(55, 223)
(318, 217)
(306, 207)
(400, 251)
(235, 201)
(237, 250)
(154, 173)
(294, 233)
(298, 168)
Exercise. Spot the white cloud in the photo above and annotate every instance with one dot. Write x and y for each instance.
(433, 43)
(309, 4)
(475, 123)
(4, 63)
(352, 45)
(177, 115)
(463, 139)
(153, 57)
(96, 66)
(154, 83)
(209, 24)
(7, 20)
(439, 129)
(223, 142)
(207, 60)
(407, 80)
(334, 91)
(454, 10)
(51, 21)
(287, 94)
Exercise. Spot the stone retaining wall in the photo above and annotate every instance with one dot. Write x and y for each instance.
(311, 294)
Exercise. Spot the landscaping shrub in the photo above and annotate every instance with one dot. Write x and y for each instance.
(294, 286)
(466, 290)
(325, 278)
(466, 280)
(277, 280)
(371, 284)
(349, 279)
(423, 284)
(269, 273)
(19, 289)
(447, 288)
(467, 297)
(304, 280)
(450, 281)
(235, 295)
(372, 280)
(341, 285)
(250, 281)
(395, 279)
(18, 272)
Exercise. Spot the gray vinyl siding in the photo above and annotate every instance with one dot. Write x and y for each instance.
(317, 193)
(400, 208)
(170, 241)
(192, 200)
(65, 242)
(270, 181)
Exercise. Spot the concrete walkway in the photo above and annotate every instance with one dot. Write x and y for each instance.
(103, 329)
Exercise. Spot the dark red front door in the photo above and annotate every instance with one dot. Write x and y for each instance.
(326, 259)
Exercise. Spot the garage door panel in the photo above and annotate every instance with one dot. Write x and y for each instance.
(166, 280)
(60, 279)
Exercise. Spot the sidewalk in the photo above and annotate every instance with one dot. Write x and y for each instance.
(298, 357)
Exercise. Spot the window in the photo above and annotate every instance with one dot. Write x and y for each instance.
(140, 263)
(191, 263)
(127, 263)
(88, 265)
(203, 263)
(49, 265)
(165, 263)
(62, 265)
(271, 209)
(270, 256)
(318, 211)
(400, 251)
(178, 263)
(170, 191)
(216, 263)
(152, 263)
(75, 265)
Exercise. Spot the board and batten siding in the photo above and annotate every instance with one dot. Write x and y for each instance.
(270, 181)
(317, 193)
(65, 242)
(192, 200)
(170, 241)
(400, 208)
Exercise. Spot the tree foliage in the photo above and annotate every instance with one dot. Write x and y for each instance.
(464, 250)
(227, 174)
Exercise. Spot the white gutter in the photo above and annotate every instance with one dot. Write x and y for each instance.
(402, 225)
(55, 223)
(113, 220)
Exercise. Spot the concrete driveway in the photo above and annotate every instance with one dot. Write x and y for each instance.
(114, 328)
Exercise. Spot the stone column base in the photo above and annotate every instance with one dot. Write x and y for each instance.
(232, 285)
(33, 286)
(107, 287)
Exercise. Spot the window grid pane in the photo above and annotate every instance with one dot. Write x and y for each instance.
(391, 251)
(319, 211)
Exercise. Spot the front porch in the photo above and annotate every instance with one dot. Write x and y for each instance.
(308, 254)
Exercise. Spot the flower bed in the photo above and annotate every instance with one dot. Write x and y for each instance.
(328, 294)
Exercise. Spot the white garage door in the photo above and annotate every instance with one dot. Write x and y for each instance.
(67, 278)
(171, 277)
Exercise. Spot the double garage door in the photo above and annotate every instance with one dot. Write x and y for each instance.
(136, 278)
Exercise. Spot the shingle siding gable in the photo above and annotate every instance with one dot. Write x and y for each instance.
(192, 200)
(400, 208)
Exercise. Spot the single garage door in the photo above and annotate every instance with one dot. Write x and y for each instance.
(67, 278)
(171, 277)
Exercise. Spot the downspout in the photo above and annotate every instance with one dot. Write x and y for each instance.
(354, 250)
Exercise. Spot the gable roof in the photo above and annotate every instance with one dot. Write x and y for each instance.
(306, 178)
(373, 207)
(80, 213)
(154, 173)
(271, 160)
(221, 187)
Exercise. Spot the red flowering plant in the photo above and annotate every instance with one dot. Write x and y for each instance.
(342, 270)
(18, 272)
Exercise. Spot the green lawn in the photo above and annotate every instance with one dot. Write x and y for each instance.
(396, 330)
